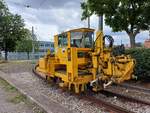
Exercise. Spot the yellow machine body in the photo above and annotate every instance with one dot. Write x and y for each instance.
(79, 61)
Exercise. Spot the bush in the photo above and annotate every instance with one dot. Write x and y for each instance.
(142, 57)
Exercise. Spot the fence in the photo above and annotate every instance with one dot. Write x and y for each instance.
(23, 55)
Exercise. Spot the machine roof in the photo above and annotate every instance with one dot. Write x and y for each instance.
(78, 30)
(81, 29)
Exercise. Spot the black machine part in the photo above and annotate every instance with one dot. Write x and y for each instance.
(109, 39)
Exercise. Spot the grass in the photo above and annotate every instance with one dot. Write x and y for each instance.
(7, 86)
(17, 96)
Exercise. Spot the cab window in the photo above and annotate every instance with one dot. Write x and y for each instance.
(62, 40)
(82, 39)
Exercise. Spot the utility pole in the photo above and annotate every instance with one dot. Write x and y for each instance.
(100, 23)
(149, 32)
(33, 39)
(33, 36)
(88, 22)
(88, 19)
(121, 42)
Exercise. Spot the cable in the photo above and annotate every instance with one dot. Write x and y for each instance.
(42, 2)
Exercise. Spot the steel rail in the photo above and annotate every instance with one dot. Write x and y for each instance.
(135, 87)
(125, 97)
(107, 105)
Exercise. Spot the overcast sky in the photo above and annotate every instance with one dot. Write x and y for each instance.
(50, 17)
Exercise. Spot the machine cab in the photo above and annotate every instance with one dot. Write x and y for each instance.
(78, 38)
(82, 38)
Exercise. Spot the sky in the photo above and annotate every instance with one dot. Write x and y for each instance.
(49, 17)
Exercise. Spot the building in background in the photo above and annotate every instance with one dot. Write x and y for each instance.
(45, 45)
(147, 41)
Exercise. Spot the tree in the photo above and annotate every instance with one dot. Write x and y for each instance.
(11, 29)
(3, 12)
(27, 44)
(131, 16)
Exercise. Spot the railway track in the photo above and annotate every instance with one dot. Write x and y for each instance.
(99, 102)
(125, 97)
(107, 105)
(146, 90)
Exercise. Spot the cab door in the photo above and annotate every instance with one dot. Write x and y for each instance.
(61, 49)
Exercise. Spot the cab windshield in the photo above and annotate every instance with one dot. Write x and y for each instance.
(82, 39)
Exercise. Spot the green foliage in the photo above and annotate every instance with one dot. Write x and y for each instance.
(86, 12)
(3, 8)
(142, 56)
(24, 45)
(27, 44)
(131, 16)
(11, 29)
